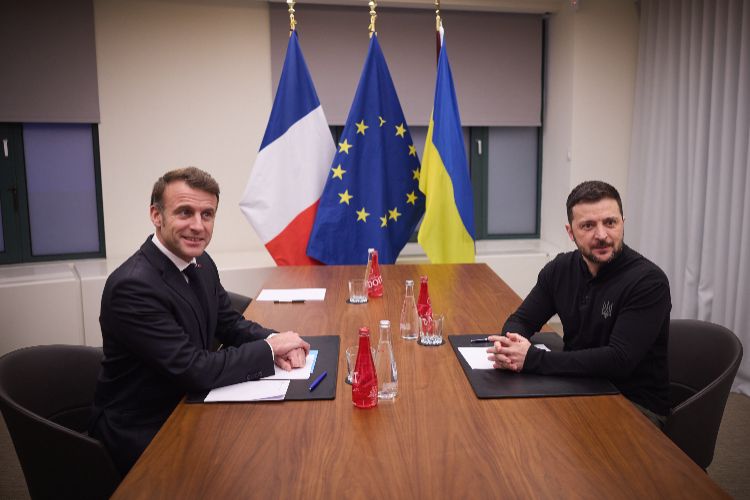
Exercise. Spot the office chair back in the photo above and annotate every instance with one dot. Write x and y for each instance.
(239, 302)
(45, 396)
(703, 360)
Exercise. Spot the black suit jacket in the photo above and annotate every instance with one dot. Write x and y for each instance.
(156, 348)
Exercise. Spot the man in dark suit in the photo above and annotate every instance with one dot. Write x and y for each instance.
(161, 311)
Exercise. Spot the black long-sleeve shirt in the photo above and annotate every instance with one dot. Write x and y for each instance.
(616, 324)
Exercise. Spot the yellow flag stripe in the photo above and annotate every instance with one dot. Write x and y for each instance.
(442, 234)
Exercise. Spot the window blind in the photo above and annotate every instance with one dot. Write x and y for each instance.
(496, 59)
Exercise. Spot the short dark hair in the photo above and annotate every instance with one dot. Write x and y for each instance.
(591, 192)
(193, 177)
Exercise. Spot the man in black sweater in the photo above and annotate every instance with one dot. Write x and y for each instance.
(613, 303)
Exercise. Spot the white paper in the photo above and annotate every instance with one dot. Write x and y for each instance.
(290, 294)
(477, 356)
(296, 373)
(257, 390)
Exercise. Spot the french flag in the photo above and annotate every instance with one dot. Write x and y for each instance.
(287, 179)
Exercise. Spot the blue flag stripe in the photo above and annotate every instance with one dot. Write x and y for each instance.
(296, 87)
(447, 138)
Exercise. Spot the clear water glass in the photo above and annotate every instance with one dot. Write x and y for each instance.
(432, 332)
(357, 291)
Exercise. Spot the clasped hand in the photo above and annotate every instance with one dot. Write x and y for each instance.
(509, 351)
(289, 350)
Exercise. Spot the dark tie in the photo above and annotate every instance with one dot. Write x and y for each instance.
(191, 272)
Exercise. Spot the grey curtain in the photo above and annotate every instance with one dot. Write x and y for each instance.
(689, 176)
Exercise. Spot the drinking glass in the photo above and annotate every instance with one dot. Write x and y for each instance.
(431, 332)
(357, 291)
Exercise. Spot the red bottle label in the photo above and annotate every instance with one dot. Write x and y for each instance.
(364, 378)
(424, 307)
(375, 280)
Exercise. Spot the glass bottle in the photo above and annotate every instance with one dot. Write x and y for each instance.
(364, 378)
(373, 278)
(409, 324)
(368, 269)
(385, 363)
(424, 308)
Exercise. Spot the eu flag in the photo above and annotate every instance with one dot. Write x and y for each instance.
(371, 198)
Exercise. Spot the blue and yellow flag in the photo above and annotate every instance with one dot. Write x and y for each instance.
(371, 198)
(447, 231)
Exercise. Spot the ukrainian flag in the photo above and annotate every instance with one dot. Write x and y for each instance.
(447, 230)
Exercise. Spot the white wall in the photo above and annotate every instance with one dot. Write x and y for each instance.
(589, 110)
(39, 305)
(180, 83)
(606, 49)
(558, 126)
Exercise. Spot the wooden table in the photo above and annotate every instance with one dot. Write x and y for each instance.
(437, 440)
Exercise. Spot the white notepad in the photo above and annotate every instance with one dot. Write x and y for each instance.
(477, 356)
(269, 388)
(296, 373)
(290, 294)
(257, 390)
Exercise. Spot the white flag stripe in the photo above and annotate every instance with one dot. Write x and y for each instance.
(288, 175)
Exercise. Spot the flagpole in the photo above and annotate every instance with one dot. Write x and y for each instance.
(373, 16)
(438, 25)
(292, 21)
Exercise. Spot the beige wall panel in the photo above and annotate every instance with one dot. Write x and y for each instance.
(180, 83)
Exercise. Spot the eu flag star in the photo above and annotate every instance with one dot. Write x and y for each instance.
(361, 127)
(411, 198)
(394, 214)
(338, 172)
(344, 147)
(400, 130)
(345, 197)
(382, 122)
(384, 221)
(362, 215)
(415, 174)
(412, 150)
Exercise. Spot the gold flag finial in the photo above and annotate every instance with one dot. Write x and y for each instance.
(292, 21)
(373, 16)
(438, 22)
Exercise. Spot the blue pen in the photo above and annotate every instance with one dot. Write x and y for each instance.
(318, 380)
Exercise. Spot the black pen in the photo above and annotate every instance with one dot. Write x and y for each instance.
(478, 341)
(318, 380)
(486, 339)
(295, 301)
